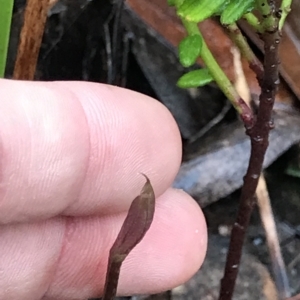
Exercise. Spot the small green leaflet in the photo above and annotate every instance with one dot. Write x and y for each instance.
(235, 10)
(199, 10)
(195, 79)
(221, 8)
(189, 49)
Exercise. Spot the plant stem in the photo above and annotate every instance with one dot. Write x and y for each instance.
(6, 7)
(220, 77)
(267, 10)
(254, 63)
(285, 8)
(112, 278)
(259, 136)
(253, 21)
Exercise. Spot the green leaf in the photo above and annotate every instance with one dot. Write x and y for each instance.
(194, 79)
(189, 49)
(199, 10)
(6, 10)
(219, 11)
(176, 3)
(235, 10)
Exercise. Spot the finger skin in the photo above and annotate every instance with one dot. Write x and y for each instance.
(77, 148)
(71, 154)
(65, 258)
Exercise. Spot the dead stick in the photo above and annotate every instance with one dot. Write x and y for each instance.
(267, 217)
(241, 42)
(30, 40)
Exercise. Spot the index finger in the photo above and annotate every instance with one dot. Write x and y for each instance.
(77, 148)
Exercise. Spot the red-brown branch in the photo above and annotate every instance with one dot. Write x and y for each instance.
(259, 136)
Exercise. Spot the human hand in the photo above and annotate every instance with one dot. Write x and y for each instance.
(71, 154)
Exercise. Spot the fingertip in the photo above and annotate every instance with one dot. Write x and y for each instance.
(78, 148)
(137, 135)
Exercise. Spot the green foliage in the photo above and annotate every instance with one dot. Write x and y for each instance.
(195, 79)
(175, 2)
(6, 7)
(219, 11)
(235, 10)
(199, 10)
(285, 8)
(189, 49)
(257, 13)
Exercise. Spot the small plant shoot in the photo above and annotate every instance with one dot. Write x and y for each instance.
(134, 228)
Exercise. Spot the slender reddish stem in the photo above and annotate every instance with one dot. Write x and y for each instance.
(259, 136)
